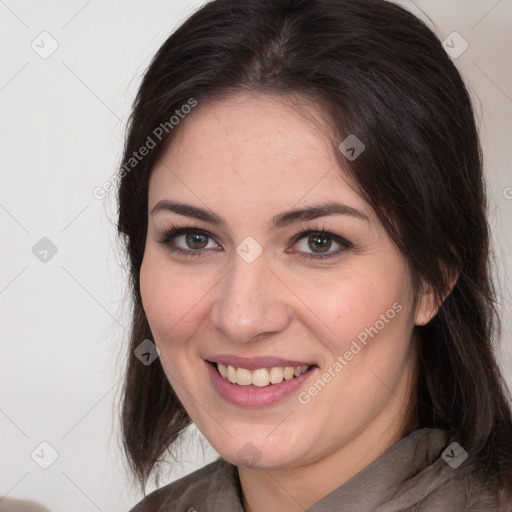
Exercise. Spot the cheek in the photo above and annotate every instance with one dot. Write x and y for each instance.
(348, 303)
(372, 332)
(171, 299)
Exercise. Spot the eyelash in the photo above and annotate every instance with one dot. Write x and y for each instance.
(173, 231)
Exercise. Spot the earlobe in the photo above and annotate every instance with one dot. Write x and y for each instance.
(429, 306)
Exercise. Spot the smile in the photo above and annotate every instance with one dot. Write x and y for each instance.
(260, 377)
(257, 382)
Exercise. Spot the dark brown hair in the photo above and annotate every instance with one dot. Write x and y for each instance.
(381, 74)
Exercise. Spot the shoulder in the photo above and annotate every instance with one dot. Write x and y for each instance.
(473, 491)
(431, 472)
(194, 490)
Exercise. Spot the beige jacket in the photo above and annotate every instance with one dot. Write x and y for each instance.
(417, 474)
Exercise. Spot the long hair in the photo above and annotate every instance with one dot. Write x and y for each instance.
(380, 73)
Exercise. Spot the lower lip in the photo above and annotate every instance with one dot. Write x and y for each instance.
(253, 396)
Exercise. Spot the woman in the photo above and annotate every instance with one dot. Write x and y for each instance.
(304, 213)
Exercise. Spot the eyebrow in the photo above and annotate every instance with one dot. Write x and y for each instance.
(278, 221)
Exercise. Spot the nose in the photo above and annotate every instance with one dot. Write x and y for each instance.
(250, 303)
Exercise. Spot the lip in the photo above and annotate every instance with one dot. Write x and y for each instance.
(255, 363)
(253, 396)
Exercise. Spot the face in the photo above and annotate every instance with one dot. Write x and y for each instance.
(285, 335)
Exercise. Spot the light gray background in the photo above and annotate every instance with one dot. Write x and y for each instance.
(63, 320)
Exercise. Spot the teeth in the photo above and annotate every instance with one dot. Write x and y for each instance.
(232, 374)
(289, 372)
(223, 370)
(261, 377)
(276, 375)
(243, 377)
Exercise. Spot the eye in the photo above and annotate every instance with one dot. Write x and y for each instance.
(187, 241)
(192, 241)
(320, 244)
(311, 244)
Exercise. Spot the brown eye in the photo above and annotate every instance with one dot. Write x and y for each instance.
(319, 243)
(188, 241)
(196, 241)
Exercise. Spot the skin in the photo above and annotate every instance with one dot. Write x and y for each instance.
(248, 158)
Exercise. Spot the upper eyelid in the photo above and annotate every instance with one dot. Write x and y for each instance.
(173, 233)
(186, 229)
(304, 232)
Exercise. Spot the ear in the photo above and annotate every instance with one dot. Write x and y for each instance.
(428, 306)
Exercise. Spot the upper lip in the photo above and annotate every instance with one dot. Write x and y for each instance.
(254, 363)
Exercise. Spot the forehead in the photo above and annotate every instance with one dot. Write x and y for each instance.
(252, 150)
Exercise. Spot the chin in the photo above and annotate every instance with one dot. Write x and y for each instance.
(256, 449)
